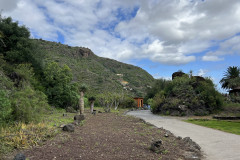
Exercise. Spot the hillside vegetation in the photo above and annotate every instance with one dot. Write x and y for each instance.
(36, 74)
(185, 95)
(99, 74)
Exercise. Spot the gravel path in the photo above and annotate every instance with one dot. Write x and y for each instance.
(216, 145)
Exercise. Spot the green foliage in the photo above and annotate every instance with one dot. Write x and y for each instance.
(58, 87)
(160, 84)
(100, 74)
(83, 88)
(5, 107)
(91, 99)
(186, 95)
(28, 105)
(231, 78)
(128, 102)
(16, 45)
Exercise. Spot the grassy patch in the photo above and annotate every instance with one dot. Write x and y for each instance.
(227, 126)
(22, 136)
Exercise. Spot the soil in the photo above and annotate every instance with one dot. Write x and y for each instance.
(111, 136)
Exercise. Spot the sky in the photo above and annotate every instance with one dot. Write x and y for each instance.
(160, 36)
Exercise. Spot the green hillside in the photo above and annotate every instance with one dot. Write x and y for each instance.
(98, 73)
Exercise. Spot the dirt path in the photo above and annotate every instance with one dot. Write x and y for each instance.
(216, 145)
(110, 136)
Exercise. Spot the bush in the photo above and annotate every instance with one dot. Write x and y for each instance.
(5, 108)
(128, 102)
(187, 96)
(28, 105)
(60, 90)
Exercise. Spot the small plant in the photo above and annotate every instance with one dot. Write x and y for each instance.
(23, 136)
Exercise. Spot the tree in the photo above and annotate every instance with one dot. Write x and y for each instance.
(106, 100)
(117, 98)
(91, 100)
(15, 43)
(58, 85)
(82, 90)
(231, 78)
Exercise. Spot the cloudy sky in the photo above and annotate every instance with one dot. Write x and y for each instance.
(160, 36)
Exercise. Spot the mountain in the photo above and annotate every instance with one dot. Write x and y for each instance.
(98, 73)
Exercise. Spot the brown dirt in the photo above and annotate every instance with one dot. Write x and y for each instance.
(107, 136)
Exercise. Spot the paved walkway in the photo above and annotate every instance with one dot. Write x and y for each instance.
(216, 145)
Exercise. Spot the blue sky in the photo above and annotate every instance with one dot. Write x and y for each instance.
(160, 36)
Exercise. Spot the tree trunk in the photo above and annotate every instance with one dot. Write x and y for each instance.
(92, 106)
(116, 105)
(81, 103)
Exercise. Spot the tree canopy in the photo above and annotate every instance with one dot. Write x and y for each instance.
(231, 78)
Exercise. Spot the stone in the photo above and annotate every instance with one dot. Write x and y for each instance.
(166, 135)
(20, 156)
(94, 112)
(191, 156)
(157, 146)
(79, 118)
(62, 125)
(75, 123)
(193, 146)
(177, 74)
(69, 128)
(179, 138)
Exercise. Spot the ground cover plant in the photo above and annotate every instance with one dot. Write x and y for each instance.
(22, 136)
(226, 126)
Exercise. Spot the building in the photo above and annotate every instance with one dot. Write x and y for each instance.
(139, 101)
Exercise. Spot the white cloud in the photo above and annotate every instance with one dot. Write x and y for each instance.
(8, 5)
(202, 72)
(228, 47)
(211, 58)
(168, 32)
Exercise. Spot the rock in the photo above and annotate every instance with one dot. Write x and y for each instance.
(62, 125)
(157, 146)
(79, 118)
(193, 146)
(191, 156)
(177, 74)
(166, 135)
(84, 52)
(75, 123)
(179, 138)
(94, 112)
(99, 112)
(64, 114)
(68, 128)
(20, 156)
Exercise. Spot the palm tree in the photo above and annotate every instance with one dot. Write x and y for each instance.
(91, 100)
(231, 79)
(82, 90)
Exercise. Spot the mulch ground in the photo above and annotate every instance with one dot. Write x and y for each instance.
(110, 136)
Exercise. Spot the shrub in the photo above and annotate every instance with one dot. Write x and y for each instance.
(128, 102)
(28, 105)
(5, 107)
(187, 95)
(60, 90)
